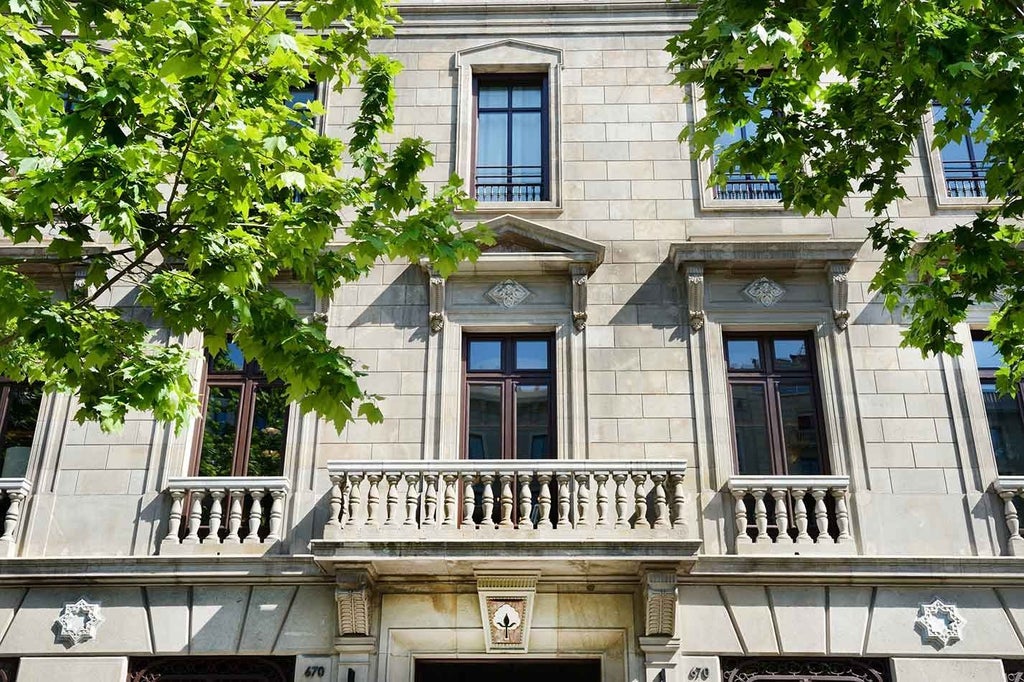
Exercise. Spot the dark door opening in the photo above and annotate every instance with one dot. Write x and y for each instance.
(508, 671)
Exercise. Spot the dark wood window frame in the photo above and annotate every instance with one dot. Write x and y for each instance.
(508, 377)
(770, 378)
(510, 80)
(248, 380)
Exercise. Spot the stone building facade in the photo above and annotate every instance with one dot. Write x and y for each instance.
(658, 432)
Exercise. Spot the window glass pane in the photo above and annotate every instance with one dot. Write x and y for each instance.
(303, 96)
(749, 413)
(484, 422)
(484, 355)
(791, 355)
(1004, 423)
(531, 354)
(228, 360)
(800, 428)
(987, 355)
(533, 420)
(19, 427)
(525, 96)
(980, 146)
(266, 449)
(492, 146)
(219, 431)
(493, 96)
(526, 144)
(743, 354)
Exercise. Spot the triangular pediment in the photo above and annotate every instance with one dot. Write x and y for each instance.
(517, 235)
(509, 51)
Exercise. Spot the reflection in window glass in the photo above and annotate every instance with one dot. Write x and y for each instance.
(800, 428)
(220, 431)
(1004, 423)
(228, 360)
(532, 354)
(19, 427)
(753, 448)
(532, 422)
(743, 354)
(266, 449)
(987, 355)
(484, 422)
(484, 355)
(493, 97)
(790, 355)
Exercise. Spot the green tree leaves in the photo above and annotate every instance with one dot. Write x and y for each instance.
(850, 84)
(158, 182)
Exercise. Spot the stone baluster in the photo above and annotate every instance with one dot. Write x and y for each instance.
(412, 498)
(13, 515)
(525, 501)
(781, 514)
(468, 500)
(234, 516)
(255, 517)
(487, 519)
(391, 504)
(335, 502)
(355, 497)
(276, 515)
(430, 483)
(820, 515)
(373, 499)
(582, 499)
(216, 513)
(800, 516)
(544, 500)
(174, 524)
(451, 496)
(506, 500)
(601, 483)
(195, 517)
(678, 499)
(1010, 513)
(563, 501)
(661, 515)
(760, 515)
(740, 514)
(621, 514)
(640, 500)
(842, 516)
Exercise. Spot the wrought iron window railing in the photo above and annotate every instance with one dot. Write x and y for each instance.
(509, 183)
(965, 178)
(746, 187)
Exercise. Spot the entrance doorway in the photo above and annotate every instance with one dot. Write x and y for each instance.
(508, 671)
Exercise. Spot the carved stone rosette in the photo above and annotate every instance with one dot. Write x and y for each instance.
(79, 622)
(659, 603)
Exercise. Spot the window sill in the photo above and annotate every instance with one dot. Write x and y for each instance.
(944, 202)
(514, 207)
(759, 205)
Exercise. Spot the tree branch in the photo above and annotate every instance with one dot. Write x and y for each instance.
(208, 103)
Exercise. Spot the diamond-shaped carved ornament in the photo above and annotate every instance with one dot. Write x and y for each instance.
(78, 622)
(764, 291)
(509, 293)
(940, 624)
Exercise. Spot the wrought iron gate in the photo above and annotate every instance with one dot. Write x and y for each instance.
(211, 669)
(804, 670)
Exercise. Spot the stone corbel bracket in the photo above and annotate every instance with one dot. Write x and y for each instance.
(578, 275)
(695, 295)
(506, 609)
(436, 299)
(659, 603)
(839, 289)
(353, 594)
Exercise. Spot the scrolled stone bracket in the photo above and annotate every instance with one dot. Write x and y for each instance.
(578, 275)
(659, 588)
(839, 290)
(353, 595)
(695, 295)
(436, 300)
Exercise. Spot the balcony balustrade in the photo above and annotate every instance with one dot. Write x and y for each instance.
(791, 514)
(1011, 491)
(474, 508)
(224, 514)
(13, 493)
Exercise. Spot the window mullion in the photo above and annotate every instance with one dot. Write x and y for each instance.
(508, 157)
(243, 437)
(775, 425)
